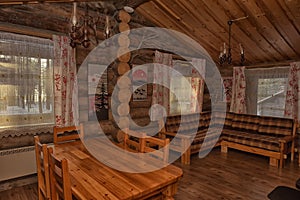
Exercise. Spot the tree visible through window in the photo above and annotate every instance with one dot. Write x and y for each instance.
(186, 88)
(271, 95)
(26, 86)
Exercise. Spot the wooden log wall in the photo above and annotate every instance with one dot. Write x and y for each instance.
(119, 84)
(139, 111)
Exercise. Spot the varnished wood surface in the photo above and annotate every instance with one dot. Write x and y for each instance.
(269, 34)
(95, 180)
(27, 192)
(237, 175)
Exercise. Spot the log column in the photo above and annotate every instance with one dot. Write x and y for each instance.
(120, 107)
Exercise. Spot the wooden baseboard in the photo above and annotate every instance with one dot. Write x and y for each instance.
(18, 182)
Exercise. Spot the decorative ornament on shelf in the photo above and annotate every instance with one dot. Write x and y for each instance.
(226, 57)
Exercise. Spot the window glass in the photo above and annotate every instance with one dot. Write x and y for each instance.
(26, 85)
(184, 98)
(271, 95)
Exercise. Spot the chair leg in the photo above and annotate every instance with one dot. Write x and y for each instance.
(293, 151)
(273, 162)
(224, 148)
(282, 147)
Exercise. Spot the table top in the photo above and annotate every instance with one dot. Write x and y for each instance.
(92, 179)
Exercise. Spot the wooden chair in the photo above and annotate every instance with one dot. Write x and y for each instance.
(41, 154)
(66, 134)
(59, 178)
(159, 147)
(132, 139)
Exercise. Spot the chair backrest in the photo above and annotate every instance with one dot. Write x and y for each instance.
(158, 147)
(132, 139)
(70, 133)
(59, 178)
(42, 164)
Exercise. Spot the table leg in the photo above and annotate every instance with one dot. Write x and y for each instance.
(170, 191)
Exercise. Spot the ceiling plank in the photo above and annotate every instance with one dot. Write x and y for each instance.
(282, 24)
(242, 31)
(208, 16)
(20, 2)
(150, 12)
(131, 3)
(220, 13)
(265, 27)
(293, 16)
(154, 12)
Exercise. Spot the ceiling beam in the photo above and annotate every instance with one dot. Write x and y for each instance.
(131, 3)
(18, 2)
(19, 29)
(119, 4)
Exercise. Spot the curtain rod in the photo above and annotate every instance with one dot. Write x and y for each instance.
(275, 64)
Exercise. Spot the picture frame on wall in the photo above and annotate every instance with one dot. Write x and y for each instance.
(139, 83)
(97, 92)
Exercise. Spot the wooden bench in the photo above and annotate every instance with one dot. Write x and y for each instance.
(268, 136)
(187, 134)
(273, 137)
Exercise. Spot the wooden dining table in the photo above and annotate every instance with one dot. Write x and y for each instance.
(92, 179)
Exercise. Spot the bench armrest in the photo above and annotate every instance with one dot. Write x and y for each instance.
(288, 138)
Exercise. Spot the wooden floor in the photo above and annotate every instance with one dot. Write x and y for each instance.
(235, 175)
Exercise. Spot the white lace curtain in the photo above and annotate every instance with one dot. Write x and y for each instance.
(197, 83)
(26, 94)
(252, 80)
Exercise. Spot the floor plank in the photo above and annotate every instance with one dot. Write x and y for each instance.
(235, 175)
(27, 192)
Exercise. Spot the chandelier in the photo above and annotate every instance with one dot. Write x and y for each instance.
(225, 55)
(82, 28)
(85, 27)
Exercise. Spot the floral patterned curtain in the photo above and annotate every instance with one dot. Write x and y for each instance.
(197, 83)
(161, 76)
(65, 82)
(238, 101)
(292, 95)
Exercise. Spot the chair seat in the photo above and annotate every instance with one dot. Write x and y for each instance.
(284, 193)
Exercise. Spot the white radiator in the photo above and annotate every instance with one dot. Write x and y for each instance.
(17, 162)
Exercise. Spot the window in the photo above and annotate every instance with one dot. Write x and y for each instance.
(26, 85)
(271, 96)
(266, 91)
(187, 94)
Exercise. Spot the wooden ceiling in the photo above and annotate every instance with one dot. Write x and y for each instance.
(269, 34)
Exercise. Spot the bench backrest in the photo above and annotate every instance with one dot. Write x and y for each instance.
(243, 122)
(276, 126)
(188, 123)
